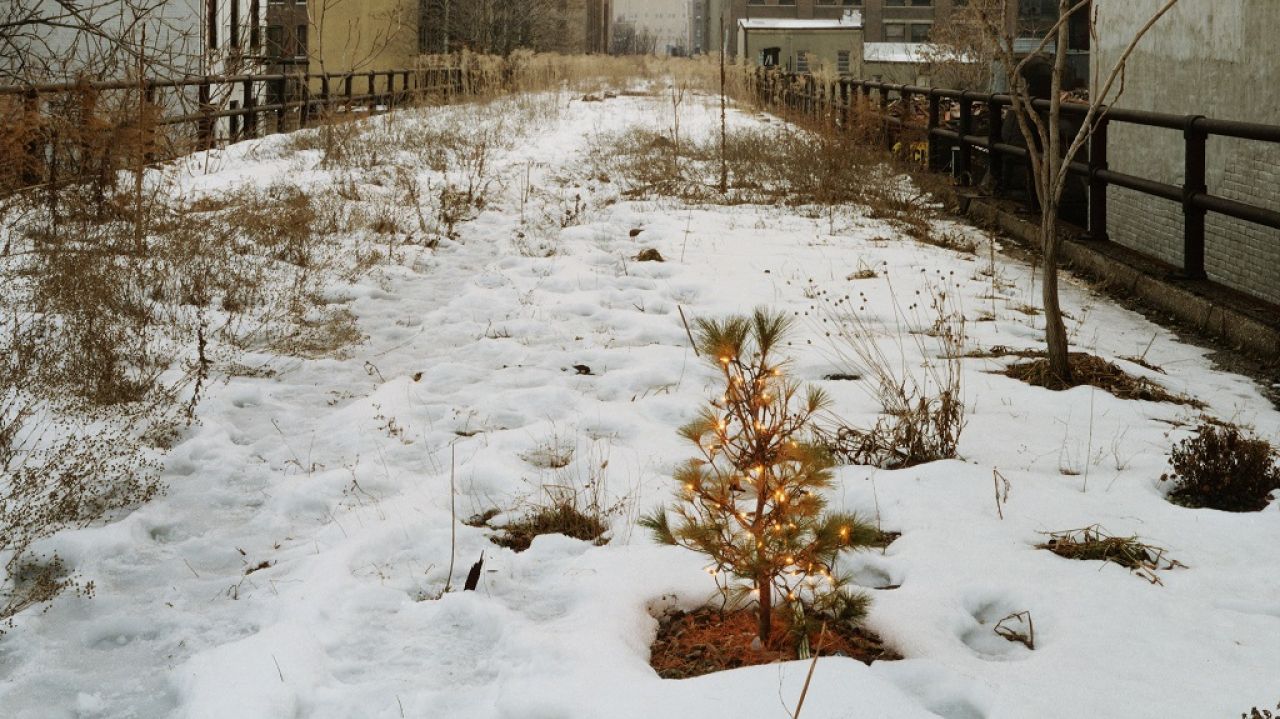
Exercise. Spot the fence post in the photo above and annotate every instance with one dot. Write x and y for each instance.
(1197, 140)
(995, 161)
(204, 130)
(935, 116)
(371, 92)
(282, 101)
(324, 94)
(844, 104)
(34, 148)
(904, 115)
(251, 110)
(348, 82)
(304, 111)
(1098, 186)
(962, 169)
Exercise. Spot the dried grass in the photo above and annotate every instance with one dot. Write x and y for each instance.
(922, 411)
(1087, 369)
(1093, 544)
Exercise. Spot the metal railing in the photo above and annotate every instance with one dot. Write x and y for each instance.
(804, 94)
(295, 100)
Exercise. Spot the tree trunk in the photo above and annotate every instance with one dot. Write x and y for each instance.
(1054, 331)
(1049, 188)
(765, 612)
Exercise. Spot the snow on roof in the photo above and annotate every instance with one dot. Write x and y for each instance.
(851, 20)
(909, 52)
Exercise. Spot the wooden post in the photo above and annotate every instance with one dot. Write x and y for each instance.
(1098, 186)
(844, 104)
(935, 117)
(995, 162)
(34, 147)
(251, 109)
(963, 169)
(282, 101)
(1197, 140)
(204, 129)
(304, 96)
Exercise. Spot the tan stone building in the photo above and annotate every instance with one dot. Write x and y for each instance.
(340, 36)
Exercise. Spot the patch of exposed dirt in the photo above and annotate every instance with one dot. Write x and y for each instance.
(1087, 369)
(706, 640)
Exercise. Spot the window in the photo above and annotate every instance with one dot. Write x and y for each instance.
(842, 62)
(300, 44)
(919, 32)
(846, 3)
(895, 31)
(905, 3)
(275, 41)
(802, 61)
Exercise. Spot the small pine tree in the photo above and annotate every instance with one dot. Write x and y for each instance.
(753, 498)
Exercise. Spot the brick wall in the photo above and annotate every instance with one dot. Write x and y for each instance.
(1201, 59)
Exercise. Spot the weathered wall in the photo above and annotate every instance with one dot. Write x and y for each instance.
(822, 46)
(362, 35)
(896, 73)
(1205, 58)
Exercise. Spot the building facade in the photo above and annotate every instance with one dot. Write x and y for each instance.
(665, 21)
(882, 20)
(814, 45)
(1200, 59)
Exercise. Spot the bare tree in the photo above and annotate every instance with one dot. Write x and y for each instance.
(1051, 149)
(627, 39)
(497, 26)
(57, 40)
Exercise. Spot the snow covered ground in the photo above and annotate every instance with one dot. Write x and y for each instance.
(331, 482)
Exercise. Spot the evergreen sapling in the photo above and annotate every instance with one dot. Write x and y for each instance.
(753, 497)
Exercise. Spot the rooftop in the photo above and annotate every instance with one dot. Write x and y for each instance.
(850, 20)
(908, 52)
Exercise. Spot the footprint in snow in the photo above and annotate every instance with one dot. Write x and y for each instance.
(980, 633)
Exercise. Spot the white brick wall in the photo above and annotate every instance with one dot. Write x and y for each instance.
(1201, 59)
(1238, 254)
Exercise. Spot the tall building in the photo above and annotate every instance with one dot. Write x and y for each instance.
(665, 21)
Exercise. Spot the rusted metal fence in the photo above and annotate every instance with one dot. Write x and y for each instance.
(978, 125)
(292, 101)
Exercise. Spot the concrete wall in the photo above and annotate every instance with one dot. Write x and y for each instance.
(1205, 58)
(897, 73)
